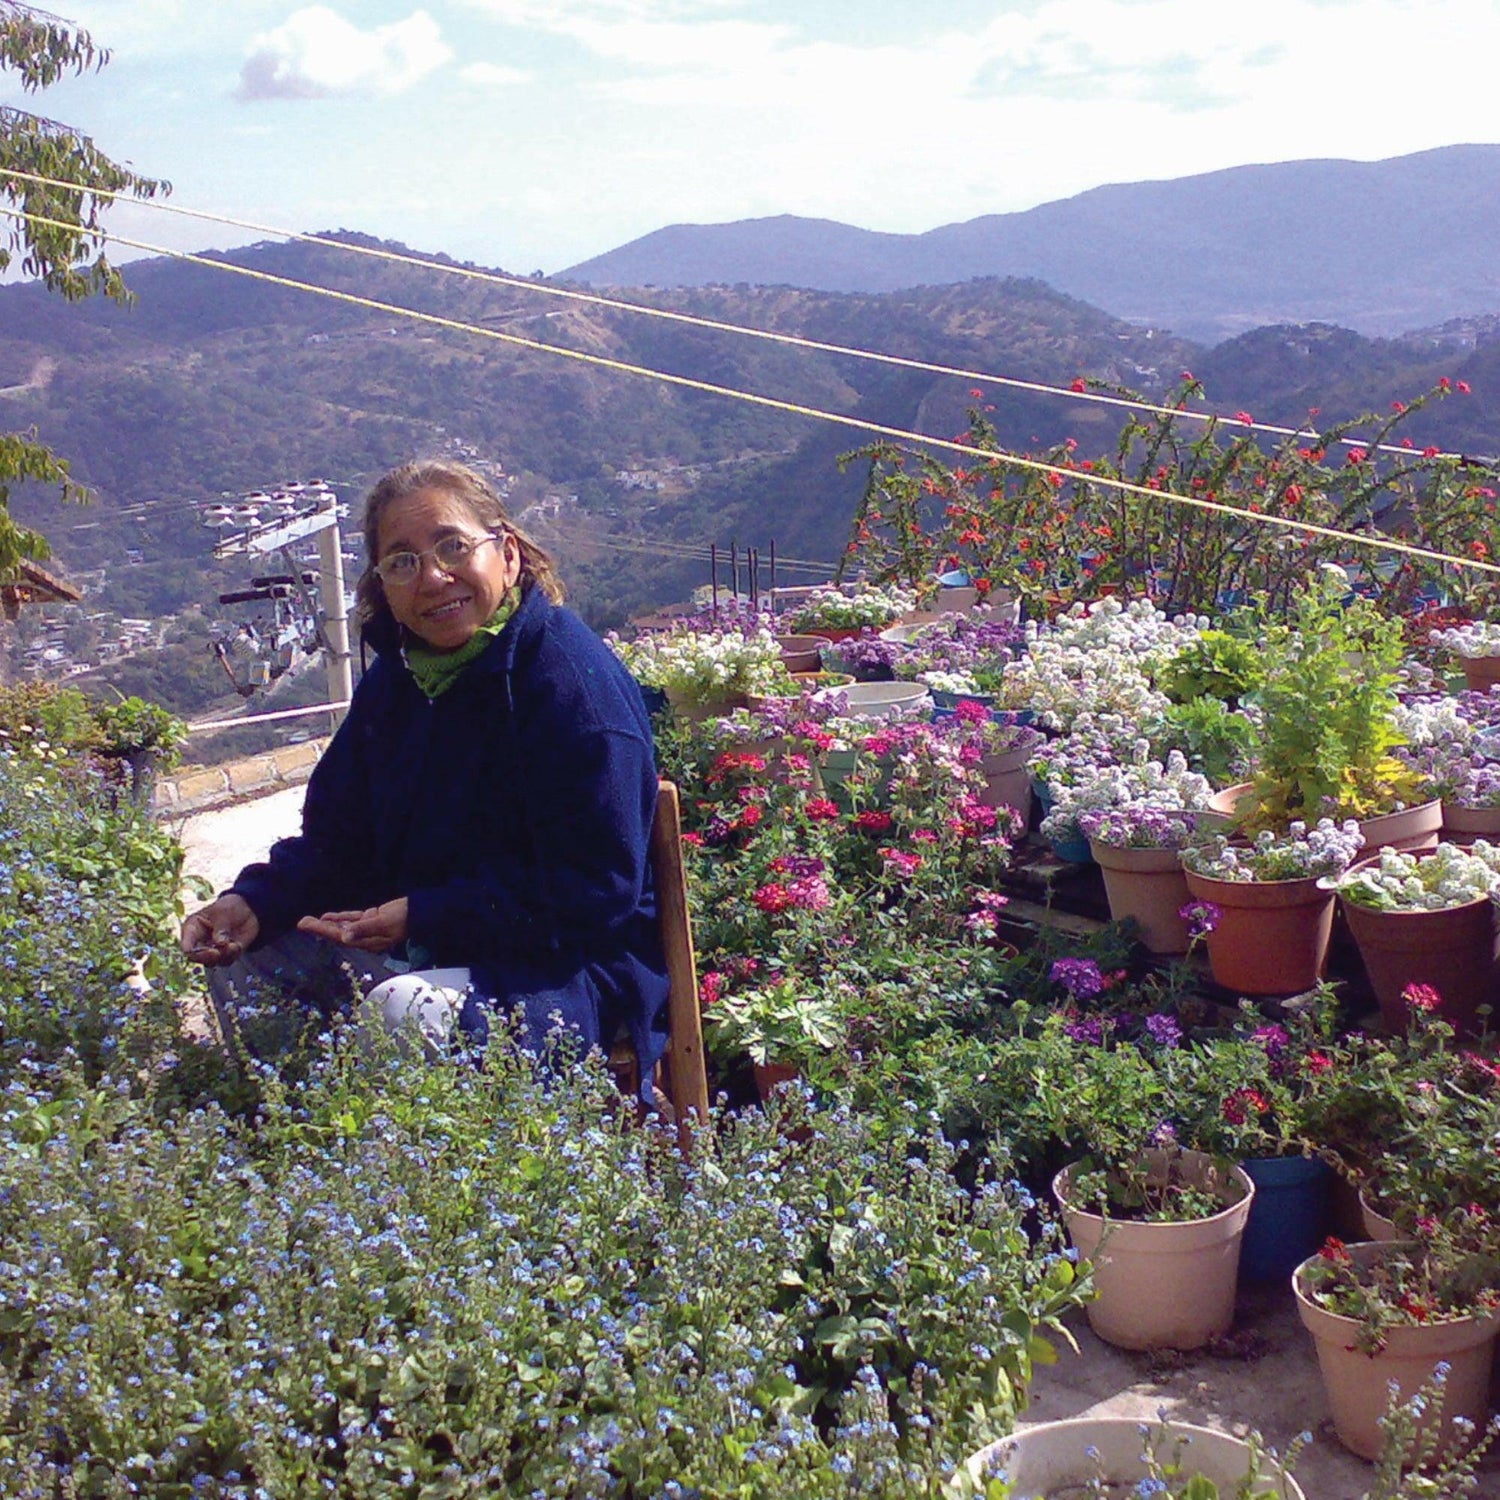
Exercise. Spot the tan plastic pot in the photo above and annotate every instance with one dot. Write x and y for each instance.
(1150, 886)
(801, 653)
(1273, 935)
(1356, 1383)
(1411, 828)
(1163, 1285)
(1056, 1458)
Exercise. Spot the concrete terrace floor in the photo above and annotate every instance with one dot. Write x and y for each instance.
(1263, 1376)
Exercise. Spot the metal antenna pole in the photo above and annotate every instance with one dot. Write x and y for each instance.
(713, 574)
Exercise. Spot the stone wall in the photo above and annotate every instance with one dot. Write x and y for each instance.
(199, 788)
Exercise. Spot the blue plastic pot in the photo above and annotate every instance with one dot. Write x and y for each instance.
(1076, 851)
(1289, 1217)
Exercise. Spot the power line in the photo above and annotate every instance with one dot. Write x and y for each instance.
(790, 340)
(771, 403)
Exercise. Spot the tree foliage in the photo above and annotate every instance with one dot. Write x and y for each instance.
(61, 181)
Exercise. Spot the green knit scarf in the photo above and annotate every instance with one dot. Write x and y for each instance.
(437, 671)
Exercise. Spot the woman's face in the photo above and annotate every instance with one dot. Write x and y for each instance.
(445, 607)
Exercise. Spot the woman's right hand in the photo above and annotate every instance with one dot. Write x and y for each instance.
(219, 932)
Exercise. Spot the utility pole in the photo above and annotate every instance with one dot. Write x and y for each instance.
(332, 615)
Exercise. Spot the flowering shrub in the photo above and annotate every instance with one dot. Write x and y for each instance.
(1448, 876)
(1297, 854)
(458, 1280)
(866, 604)
(972, 648)
(1137, 825)
(703, 665)
(1476, 638)
(1141, 784)
(1452, 745)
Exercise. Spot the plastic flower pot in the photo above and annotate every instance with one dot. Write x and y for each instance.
(1163, 1285)
(1273, 935)
(1289, 1217)
(698, 710)
(1007, 782)
(880, 700)
(1412, 829)
(1063, 1458)
(1149, 886)
(1454, 951)
(1462, 825)
(941, 698)
(801, 653)
(1481, 673)
(1356, 1383)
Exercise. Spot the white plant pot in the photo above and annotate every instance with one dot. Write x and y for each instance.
(1053, 1459)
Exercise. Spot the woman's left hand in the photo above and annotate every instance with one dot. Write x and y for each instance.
(374, 930)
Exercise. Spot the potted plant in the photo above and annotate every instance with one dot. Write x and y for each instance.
(836, 615)
(1390, 1313)
(1329, 726)
(142, 738)
(1427, 920)
(776, 1025)
(1102, 1456)
(1162, 1226)
(999, 749)
(1246, 1096)
(704, 672)
(1477, 645)
(1137, 845)
(1273, 918)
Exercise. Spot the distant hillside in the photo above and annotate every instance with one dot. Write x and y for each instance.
(1378, 247)
(214, 383)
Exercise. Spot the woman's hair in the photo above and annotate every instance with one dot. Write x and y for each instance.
(478, 498)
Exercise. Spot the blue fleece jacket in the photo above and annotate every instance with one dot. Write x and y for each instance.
(513, 812)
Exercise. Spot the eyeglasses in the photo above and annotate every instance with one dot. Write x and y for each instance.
(403, 568)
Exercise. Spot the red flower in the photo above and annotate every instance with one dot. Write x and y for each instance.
(750, 815)
(1078, 385)
(822, 810)
(693, 840)
(1430, 452)
(1239, 1105)
(1245, 417)
(1463, 387)
(1445, 384)
(1356, 456)
(772, 898)
(1319, 1062)
(873, 821)
(710, 987)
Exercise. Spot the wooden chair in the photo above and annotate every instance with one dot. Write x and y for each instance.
(683, 1074)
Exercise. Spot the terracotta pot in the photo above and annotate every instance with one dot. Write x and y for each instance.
(833, 632)
(1163, 1285)
(1063, 1458)
(1481, 672)
(699, 711)
(1412, 829)
(1454, 951)
(801, 653)
(1356, 1383)
(1462, 825)
(769, 1076)
(1149, 885)
(1272, 937)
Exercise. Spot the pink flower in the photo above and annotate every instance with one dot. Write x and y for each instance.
(822, 810)
(710, 987)
(1422, 997)
(810, 893)
(902, 862)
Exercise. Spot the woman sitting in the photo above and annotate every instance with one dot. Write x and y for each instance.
(484, 811)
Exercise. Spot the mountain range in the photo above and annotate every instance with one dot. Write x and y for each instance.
(1378, 247)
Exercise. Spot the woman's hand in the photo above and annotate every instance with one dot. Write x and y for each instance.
(220, 932)
(374, 930)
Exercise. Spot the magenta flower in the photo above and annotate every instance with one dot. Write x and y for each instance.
(1080, 977)
(1201, 916)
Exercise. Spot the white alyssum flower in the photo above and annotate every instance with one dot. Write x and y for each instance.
(1477, 638)
(1448, 876)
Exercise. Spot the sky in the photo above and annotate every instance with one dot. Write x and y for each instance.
(534, 134)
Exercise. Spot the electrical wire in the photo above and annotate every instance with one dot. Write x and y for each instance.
(790, 340)
(771, 403)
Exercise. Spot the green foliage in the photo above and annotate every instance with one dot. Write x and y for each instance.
(1215, 664)
(62, 243)
(133, 724)
(1219, 741)
(1328, 711)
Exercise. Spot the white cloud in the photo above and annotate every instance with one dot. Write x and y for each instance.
(493, 75)
(315, 52)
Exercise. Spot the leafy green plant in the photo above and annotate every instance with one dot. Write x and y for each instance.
(133, 725)
(1215, 665)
